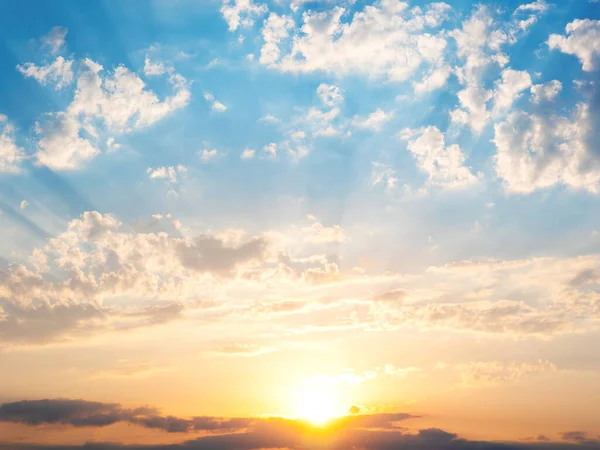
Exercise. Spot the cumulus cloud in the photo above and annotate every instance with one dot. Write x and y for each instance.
(374, 121)
(61, 146)
(435, 79)
(582, 39)
(119, 101)
(480, 41)
(153, 68)
(11, 155)
(241, 13)
(537, 152)
(169, 173)
(509, 88)
(207, 155)
(100, 258)
(387, 40)
(275, 29)
(59, 73)
(545, 92)
(248, 153)
(329, 94)
(443, 164)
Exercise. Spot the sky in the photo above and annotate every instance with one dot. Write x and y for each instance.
(298, 224)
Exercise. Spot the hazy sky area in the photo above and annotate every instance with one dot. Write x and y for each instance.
(299, 224)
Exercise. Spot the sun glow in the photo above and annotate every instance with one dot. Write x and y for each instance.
(317, 403)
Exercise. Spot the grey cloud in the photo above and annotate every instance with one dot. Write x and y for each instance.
(397, 295)
(46, 323)
(208, 254)
(82, 413)
(365, 432)
(579, 437)
(275, 437)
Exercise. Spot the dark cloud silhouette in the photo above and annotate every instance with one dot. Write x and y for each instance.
(281, 438)
(364, 432)
(82, 413)
(580, 437)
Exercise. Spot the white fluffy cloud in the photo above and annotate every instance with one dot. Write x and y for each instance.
(480, 41)
(153, 68)
(478, 46)
(275, 29)
(119, 101)
(60, 145)
(215, 104)
(386, 40)
(443, 164)
(545, 92)
(509, 88)
(318, 233)
(324, 120)
(59, 73)
(248, 153)
(11, 154)
(330, 95)
(241, 13)
(169, 173)
(536, 152)
(435, 79)
(374, 121)
(208, 154)
(582, 40)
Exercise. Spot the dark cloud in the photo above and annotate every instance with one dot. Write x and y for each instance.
(281, 438)
(580, 437)
(82, 413)
(357, 432)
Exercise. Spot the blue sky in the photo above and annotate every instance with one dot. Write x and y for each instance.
(286, 165)
(335, 177)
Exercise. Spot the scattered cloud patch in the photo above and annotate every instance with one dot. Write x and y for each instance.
(55, 39)
(59, 73)
(443, 164)
(11, 155)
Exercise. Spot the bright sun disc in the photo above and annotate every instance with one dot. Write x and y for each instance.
(316, 403)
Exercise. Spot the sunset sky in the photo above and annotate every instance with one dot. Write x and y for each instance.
(299, 224)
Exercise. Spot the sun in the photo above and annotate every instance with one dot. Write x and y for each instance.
(317, 403)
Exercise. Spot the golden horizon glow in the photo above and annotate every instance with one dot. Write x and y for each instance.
(317, 403)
